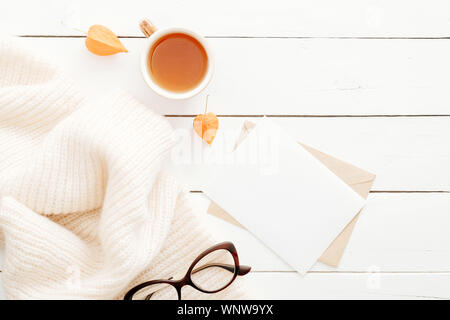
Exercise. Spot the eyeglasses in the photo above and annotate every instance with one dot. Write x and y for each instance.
(212, 271)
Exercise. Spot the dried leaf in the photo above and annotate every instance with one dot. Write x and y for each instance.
(206, 126)
(103, 42)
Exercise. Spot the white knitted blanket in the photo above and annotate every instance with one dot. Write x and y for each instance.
(85, 211)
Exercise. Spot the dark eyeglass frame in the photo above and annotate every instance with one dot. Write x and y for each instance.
(237, 269)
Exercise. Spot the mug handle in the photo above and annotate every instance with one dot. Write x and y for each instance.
(147, 27)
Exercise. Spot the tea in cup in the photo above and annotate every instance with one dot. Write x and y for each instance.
(176, 63)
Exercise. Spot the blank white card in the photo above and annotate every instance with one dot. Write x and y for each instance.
(283, 195)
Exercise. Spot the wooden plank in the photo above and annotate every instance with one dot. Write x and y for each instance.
(405, 153)
(395, 233)
(349, 286)
(399, 249)
(290, 286)
(283, 76)
(2, 253)
(307, 18)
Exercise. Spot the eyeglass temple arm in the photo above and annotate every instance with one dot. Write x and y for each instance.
(243, 270)
(148, 297)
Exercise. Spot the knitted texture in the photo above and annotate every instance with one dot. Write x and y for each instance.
(85, 210)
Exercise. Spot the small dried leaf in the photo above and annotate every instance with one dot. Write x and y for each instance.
(103, 42)
(206, 126)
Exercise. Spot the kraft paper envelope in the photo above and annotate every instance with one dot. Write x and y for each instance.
(286, 198)
(359, 180)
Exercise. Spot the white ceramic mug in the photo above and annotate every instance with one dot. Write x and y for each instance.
(153, 36)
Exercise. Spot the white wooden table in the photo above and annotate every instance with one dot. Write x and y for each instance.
(367, 81)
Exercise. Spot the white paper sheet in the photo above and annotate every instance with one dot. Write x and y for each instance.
(283, 195)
